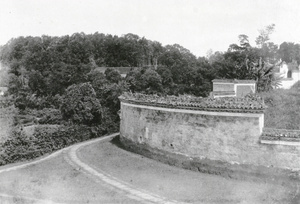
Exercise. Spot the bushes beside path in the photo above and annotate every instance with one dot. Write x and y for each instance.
(45, 139)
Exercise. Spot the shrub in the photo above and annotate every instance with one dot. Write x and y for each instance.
(32, 101)
(45, 139)
(145, 80)
(110, 122)
(108, 96)
(6, 101)
(112, 75)
(24, 120)
(50, 116)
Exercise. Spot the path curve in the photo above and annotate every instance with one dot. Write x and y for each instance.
(129, 190)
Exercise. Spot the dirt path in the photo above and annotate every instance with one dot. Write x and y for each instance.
(100, 172)
(55, 180)
(179, 184)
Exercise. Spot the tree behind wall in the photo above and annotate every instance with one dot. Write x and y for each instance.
(80, 105)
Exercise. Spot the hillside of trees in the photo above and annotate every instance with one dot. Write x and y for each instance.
(46, 66)
(41, 72)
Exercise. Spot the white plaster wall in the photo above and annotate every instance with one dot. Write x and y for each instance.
(288, 83)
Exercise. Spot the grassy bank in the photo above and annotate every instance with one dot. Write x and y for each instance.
(283, 110)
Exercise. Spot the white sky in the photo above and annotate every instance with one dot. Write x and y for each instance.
(198, 25)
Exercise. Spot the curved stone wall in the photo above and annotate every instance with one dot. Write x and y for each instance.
(207, 141)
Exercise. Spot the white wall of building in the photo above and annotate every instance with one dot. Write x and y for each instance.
(287, 83)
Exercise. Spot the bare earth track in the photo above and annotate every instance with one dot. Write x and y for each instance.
(98, 171)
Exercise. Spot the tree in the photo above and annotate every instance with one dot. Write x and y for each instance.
(244, 41)
(109, 93)
(215, 57)
(234, 64)
(97, 79)
(156, 51)
(80, 49)
(152, 82)
(264, 76)
(80, 105)
(4, 75)
(112, 75)
(98, 42)
(166, 76)
(244, 44)
(269, 52)
(145, 80)
(289, 52)
(37, 83)
(264, 35)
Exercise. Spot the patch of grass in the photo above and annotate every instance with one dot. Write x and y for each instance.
(283, 110)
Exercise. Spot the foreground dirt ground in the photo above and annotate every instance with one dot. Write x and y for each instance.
(101, 172)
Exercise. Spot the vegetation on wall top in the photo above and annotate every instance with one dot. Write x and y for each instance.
(250, 103)
(280, 134)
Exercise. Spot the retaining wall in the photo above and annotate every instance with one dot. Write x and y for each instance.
(207, 141)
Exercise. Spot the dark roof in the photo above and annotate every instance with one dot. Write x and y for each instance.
(122, 70)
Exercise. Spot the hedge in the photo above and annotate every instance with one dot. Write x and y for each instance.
(20, 147)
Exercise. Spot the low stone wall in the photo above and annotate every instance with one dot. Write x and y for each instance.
(215, 141)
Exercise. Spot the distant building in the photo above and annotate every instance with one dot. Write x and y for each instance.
(290, 75)
(232, 87)
(122, 70)
(3, 90)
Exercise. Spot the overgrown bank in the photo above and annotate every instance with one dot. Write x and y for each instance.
(36, 128)
(283, 110)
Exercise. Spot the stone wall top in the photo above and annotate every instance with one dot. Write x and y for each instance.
(281, 134)
(235, 81)
(250, 104)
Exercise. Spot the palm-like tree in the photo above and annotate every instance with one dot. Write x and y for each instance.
(264, 74)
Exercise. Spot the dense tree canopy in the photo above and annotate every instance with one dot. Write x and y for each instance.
(41, 68)
(49, 65)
